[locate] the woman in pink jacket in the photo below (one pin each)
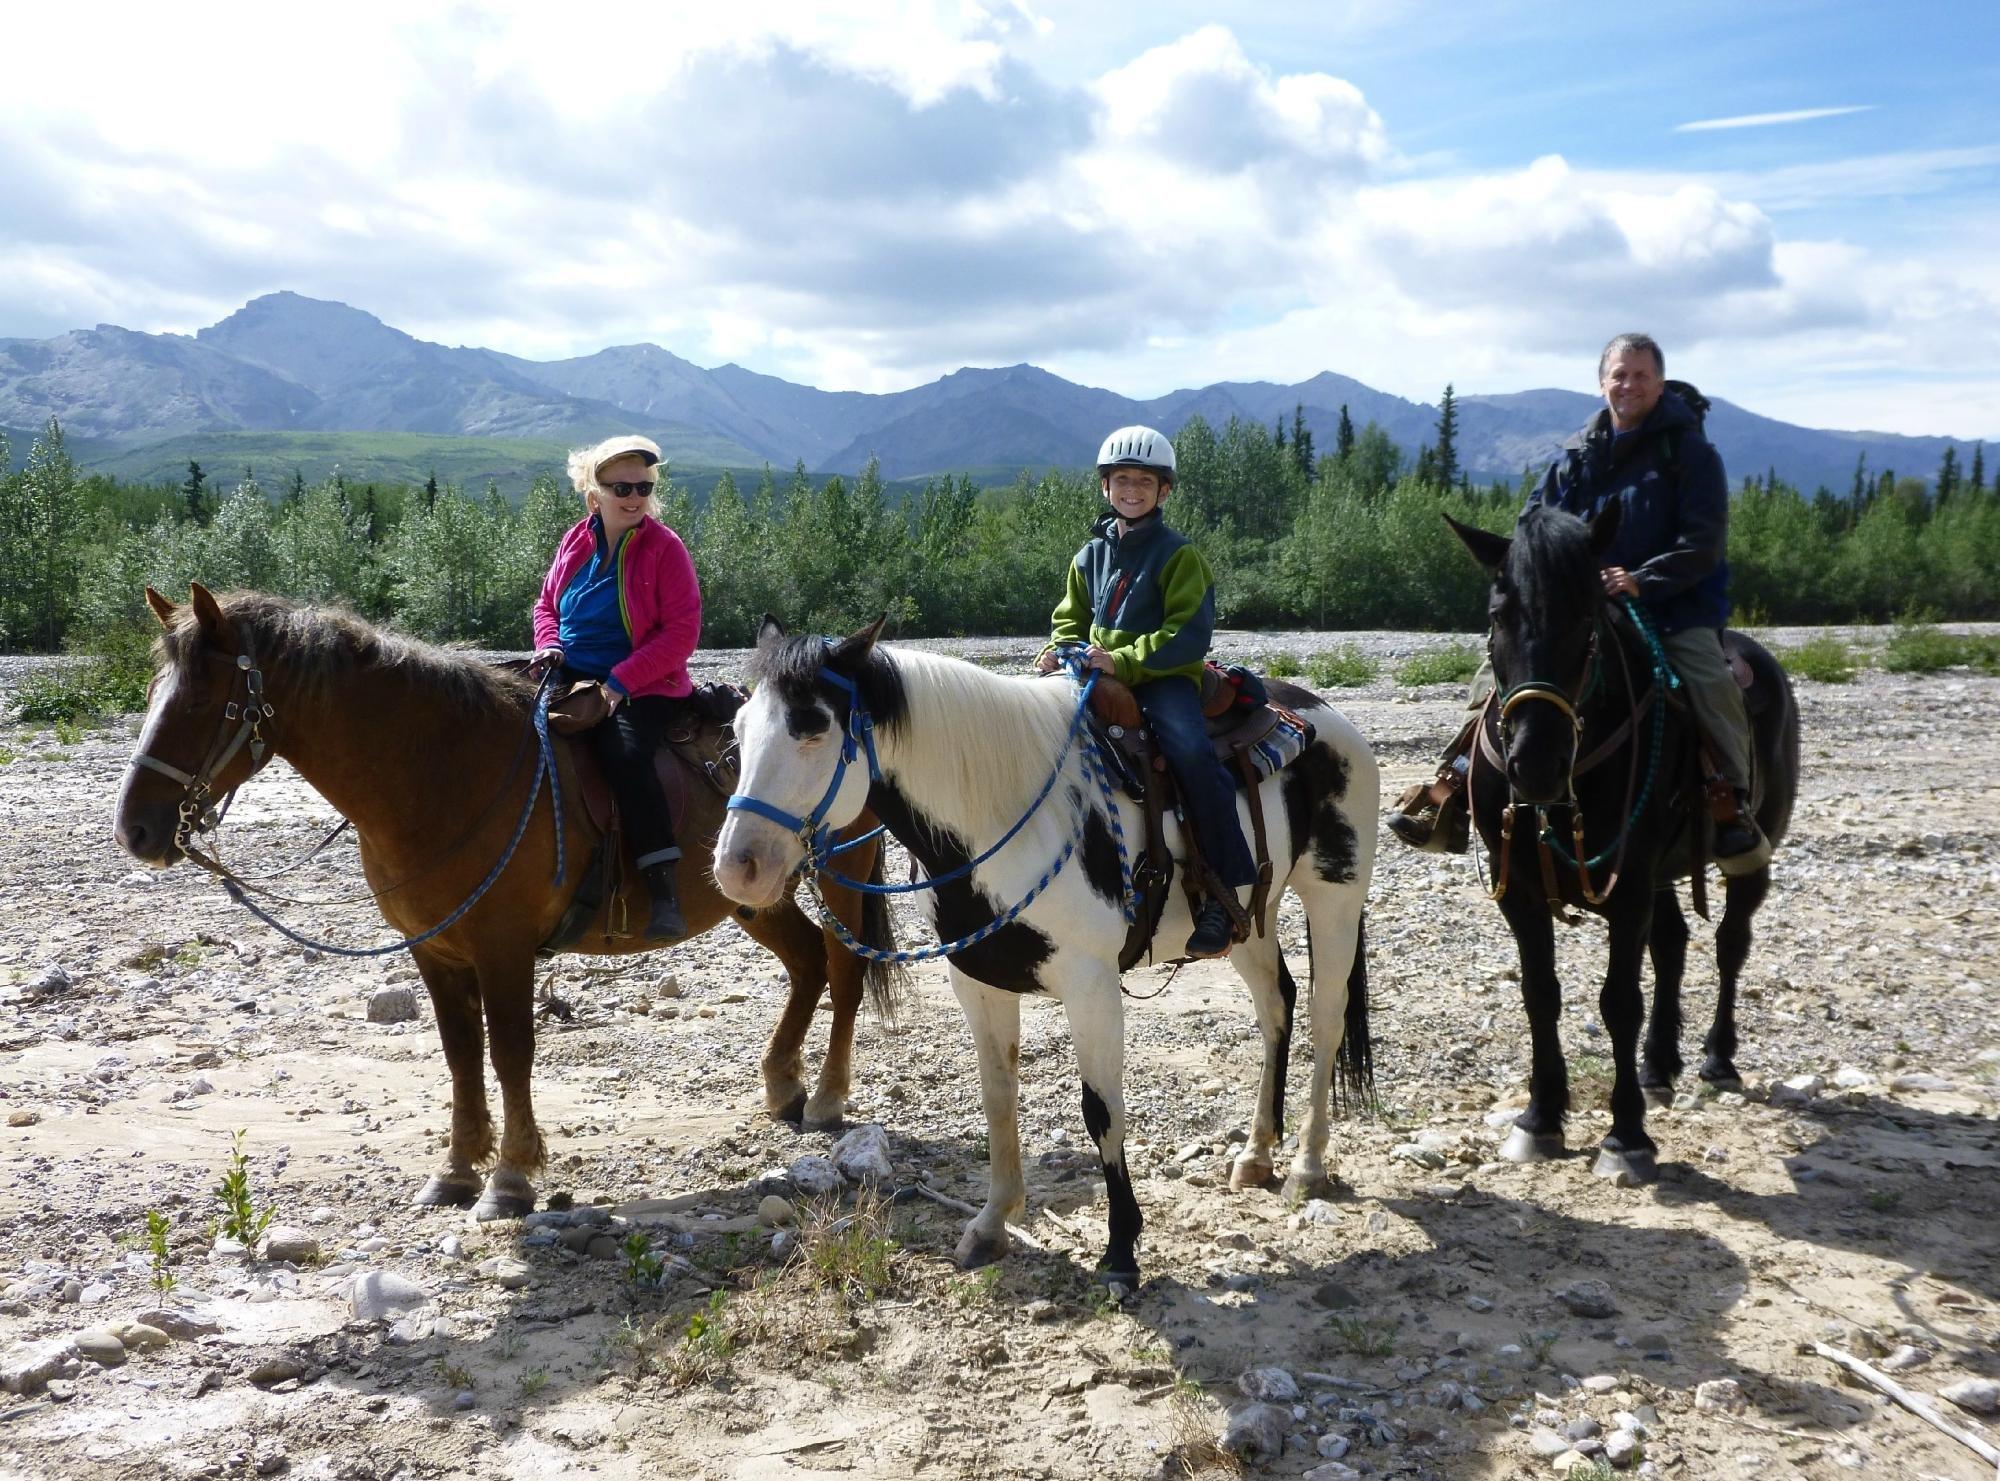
(621, 605)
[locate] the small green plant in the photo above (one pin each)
(157, 1229)
(533, 1382)
(1884, 1200)
(67, 732)
(849, 1254)
(1345, 667)
(1453, 665)
(1191, 1449)
(645, 1267)
(241, 1221)
(8, 755)
(1282, 666)
(1365, 1337)
(976, 1289)
(1104, 1301)
(1824, 660)
(1921, 648)
(454, 1375)
(188, 957)
(1539, 1346)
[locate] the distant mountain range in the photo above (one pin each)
(288, 373)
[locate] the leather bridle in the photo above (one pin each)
(242, 723)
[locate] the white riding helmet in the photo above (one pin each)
(1137, 447)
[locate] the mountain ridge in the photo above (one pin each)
(285, 362)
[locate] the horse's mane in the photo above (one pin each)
(988, 740)
(1552, 566)
(316, 646)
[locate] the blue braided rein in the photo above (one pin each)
(1664, 680)
(545, 765)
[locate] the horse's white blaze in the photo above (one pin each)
(166, 690)
(755, 857)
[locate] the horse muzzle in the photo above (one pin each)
(752, 867)
(146, 831)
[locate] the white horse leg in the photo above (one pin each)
(995, 1020)
(1333, 913)
(1271, 992)
(1096, 1012)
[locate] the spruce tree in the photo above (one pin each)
(1979, 467)
(1947, 476)
(431, 491)
(1302, 441)
(191, 494)
(1444, 463)
(1343, 442)
(297, 491)
(1859, 495)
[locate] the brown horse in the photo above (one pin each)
(428, 754)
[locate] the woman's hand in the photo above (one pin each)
(544, 660)
(613, 697)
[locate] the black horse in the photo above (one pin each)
(1584, 756)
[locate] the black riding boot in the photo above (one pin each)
(1433, 817)
(1740, 846)
(1211, 930)
(665, 922)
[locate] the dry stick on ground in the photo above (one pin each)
(1913, 1402)
(956, 1206)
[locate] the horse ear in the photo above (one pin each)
(207, 612)
(1489, 549)
(1604, 528)
(850, 650)
(163, 610)
(769, 632)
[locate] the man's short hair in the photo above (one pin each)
(1631, 342)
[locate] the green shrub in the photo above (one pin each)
(1919, 648)
(111, 681)
(1453, 665)
(1346, 667)
(1823, 660)
(1282, 666)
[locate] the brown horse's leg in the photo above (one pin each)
(509, 992)
(844, 971)
(783, 930)
(455, 999)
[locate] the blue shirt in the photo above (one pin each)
(590, 613)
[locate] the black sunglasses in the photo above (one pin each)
(626, 490)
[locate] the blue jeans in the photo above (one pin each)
(1172, 707)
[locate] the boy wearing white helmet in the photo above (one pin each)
(1141, 601)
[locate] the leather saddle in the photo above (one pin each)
(699, 746)
(1233, 701)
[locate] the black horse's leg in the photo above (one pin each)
(1661, 1061)
(1732, 948)
(1538, 1130)
(1627, 1153)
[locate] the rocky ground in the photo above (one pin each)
(700, 1301)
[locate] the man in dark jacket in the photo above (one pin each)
(1647, 451)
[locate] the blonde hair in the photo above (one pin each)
(585, 463)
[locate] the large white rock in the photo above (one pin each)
(814, 1177)
(863, 1155)
(377, 1294)
(292, 1245)
(27, 1370)
(392, 1005)
(1975, 1395)
(1269, 1386)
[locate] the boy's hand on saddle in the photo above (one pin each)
(1618, 582)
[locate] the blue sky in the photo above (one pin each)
(867, 196)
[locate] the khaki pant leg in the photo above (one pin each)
(1696, 654)
(1482, 684)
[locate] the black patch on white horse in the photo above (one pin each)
(1012, 957)
(793, 665)
(1121, 1255)
(1100, 859)
(1314, 785)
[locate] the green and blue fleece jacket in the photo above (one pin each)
(1146, 596)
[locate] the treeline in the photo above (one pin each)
(1345, 537)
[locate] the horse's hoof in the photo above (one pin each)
(792, 1110)
(824, 1115)
(1627, 1169)
(493, 1206)
(1730, 1084)
(1523, 1145)
(976, 1249)
(1248, 1172)
(1301, 1186)
(1659, 1097)
(443, 1192)
(1120, 1285)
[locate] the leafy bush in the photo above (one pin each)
(1282, 666)
(1346, 667)
(1453, 665)
(1823, 660)
(1919, 648)
(111, 681)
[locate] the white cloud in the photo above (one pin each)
(1765, 120)
(865, 197)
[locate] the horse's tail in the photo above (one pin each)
(884, 981)
(1353, 1076)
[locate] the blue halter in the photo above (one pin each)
(812, 829)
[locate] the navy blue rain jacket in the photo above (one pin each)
(1674, 532)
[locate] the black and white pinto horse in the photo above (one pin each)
(1583, 732)
(962, 755)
